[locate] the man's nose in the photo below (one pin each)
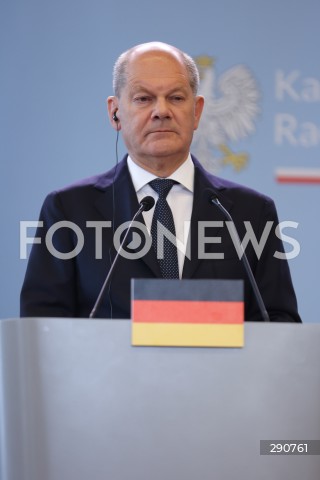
(161, 109)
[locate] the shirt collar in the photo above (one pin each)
(141, 177)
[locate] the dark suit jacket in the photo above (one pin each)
(69, 288)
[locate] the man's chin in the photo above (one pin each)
(163, 149)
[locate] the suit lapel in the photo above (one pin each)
(117, 202)
(203, 211)
(116, 199)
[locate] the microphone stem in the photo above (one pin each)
(253, 282)
(108, 277)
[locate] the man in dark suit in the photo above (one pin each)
(157, 109)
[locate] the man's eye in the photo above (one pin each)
(143, 99)
(177, 98)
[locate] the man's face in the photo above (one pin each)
(157, 110)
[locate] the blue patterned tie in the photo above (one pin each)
(163, 219)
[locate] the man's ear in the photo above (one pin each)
(198, 108)
(112, 104)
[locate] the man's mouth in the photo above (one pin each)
(160, 130)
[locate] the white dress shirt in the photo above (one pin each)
(179, 198)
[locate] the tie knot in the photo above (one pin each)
(162, 186)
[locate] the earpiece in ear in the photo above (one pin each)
(114, 116)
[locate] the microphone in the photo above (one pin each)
(145, 205)
(213, 199)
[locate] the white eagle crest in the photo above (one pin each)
(227, 118)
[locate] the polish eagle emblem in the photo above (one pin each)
(229, 115)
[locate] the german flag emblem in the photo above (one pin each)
(187, 313)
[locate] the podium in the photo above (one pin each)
(78, 402)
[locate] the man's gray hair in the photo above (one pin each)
(120, 69)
